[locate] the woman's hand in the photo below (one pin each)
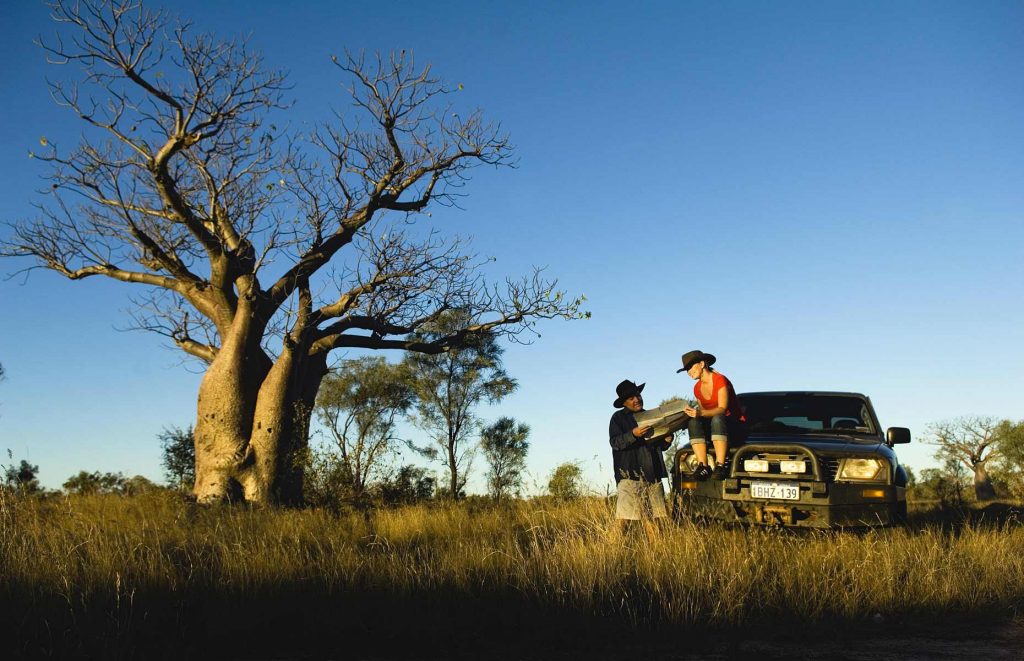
(640, 432)
(692, 412)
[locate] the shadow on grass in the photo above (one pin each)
(297, 621)
(993, 515)
(294, 621)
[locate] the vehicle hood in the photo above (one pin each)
(822, 444)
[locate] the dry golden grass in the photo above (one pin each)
(127, 569)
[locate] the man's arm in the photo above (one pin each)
(619, 437)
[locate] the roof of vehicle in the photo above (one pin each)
(805, 392)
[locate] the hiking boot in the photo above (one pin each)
(720, 473)
(701, 472)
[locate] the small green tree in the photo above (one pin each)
(449, 386)
(505, 446)
(911, 477)
(409, 485)
(85, 483)
(1010, 440)
(179, 460)
(22, 478)
(566, 481)
(359, 405)
(139, 484)
(945, 484)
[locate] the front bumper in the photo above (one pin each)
(820, 505)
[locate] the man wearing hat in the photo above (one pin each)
(638, 461)
(718, 414)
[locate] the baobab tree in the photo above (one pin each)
(256, 250)
(972, 441)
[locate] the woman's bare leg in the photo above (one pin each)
(720, 451)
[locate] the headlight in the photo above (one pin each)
(862, 470)
(688, 462)
(793, 466)
(755, 465)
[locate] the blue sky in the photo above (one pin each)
(825, 195)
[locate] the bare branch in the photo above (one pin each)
(166, 314)
(969, 439)
(416, 149)
(182, 183)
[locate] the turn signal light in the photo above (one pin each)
(687, 485)
(873, 493)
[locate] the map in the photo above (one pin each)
(665, 419)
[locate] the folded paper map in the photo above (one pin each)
(665, 419)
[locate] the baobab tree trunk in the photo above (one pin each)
(252, 424)
(983, 489)
(280, 432)
(224, 418)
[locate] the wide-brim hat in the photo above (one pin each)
(691, 358)
(625, 390)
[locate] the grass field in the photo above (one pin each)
(155, 576)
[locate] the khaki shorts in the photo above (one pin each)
(637, 499)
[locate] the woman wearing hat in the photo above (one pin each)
(718, 416)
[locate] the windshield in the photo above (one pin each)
(807, 413)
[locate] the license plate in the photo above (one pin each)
(775, 490)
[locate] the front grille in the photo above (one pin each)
(830, 467)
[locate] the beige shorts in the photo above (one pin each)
(637, 499)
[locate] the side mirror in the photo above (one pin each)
(895, 435)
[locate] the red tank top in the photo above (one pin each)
(718, 381)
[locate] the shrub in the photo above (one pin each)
(566, 482)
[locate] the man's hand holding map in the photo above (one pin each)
(665, 419)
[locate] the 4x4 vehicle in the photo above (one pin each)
(812, 459)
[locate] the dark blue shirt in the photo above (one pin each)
(635, 458)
